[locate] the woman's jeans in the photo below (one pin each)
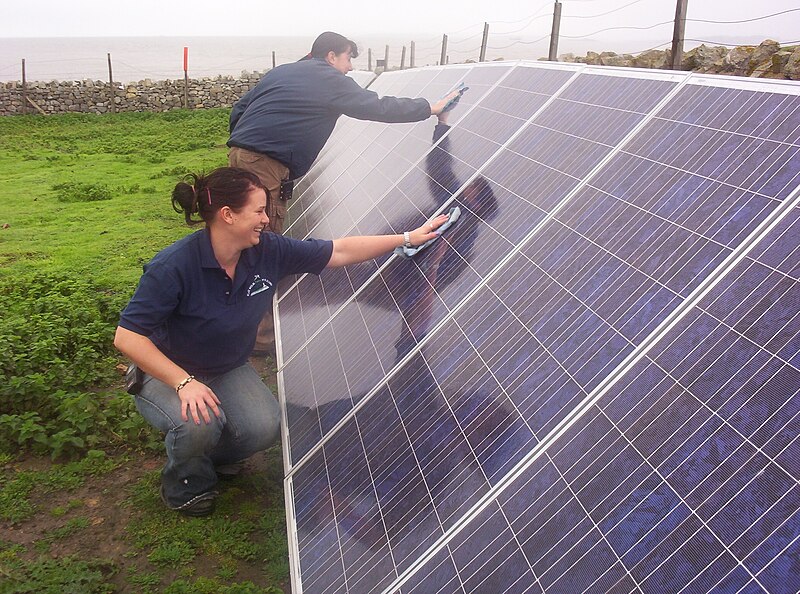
(249, 422)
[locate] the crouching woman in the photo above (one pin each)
(192, 324)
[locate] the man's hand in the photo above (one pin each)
(439, 106)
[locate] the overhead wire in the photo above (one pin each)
(616, 29)
(761, 18)
(519, 42)
(449, 42)
(735, 44)
(594, 16)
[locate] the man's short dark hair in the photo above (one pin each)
(332, 42)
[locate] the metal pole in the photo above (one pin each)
(186, 77)
(24, 90)
(111, 86)
(443, 59)
(403, 59)
(483, 43)
(386, 60)
(369, 58)
(678, 34)
(411, 57)
(553, 54)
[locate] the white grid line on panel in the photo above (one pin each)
(442, 209)
(532, 233)
(364, 520)
(357, 127)
(574, 71)
(412, 166)
(723, 423)
(594, 524)
(320, 174)
(416, 124)
(478, 507)
(721, 271)
(335, 522)
(536, 577)
(692, 510)
(704, 524)
(715, 107)
(794, 540)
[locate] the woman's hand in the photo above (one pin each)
(427, 231)
(197, 398)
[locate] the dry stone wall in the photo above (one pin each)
(767, 60)
(94, 96)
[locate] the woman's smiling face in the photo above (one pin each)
(251, 220)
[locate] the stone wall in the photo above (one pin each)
(94, 96)
(768, 60)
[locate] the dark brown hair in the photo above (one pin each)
(332, 42)
(203, 195)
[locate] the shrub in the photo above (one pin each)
(56, 337)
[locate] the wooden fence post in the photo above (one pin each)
(113, 91)
(483, 42)
(678, 34)
(403, 59)
(386, 60)
(273, 59)
(369, 58)
(24, 90)
(411, 56)
(553, 53)
(442, 60)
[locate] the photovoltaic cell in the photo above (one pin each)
(575, 391)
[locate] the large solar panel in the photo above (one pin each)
(591, 382)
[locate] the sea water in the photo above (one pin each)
(159, 58)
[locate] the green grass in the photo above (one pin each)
(48, 164)
(85, 203)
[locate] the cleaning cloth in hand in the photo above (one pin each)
(454, 101)
(406, 252)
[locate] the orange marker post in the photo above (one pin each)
(185, 77)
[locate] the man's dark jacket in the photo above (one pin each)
(290, 114)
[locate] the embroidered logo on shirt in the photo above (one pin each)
(259, 285)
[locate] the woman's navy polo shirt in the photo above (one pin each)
(186, 304)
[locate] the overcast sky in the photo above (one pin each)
(458, 18)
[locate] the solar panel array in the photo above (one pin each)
(590, 383)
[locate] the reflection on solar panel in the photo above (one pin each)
(591, 382)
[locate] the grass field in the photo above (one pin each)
(84, 202)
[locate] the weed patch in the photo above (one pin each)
(81, 192)
(67, 575)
